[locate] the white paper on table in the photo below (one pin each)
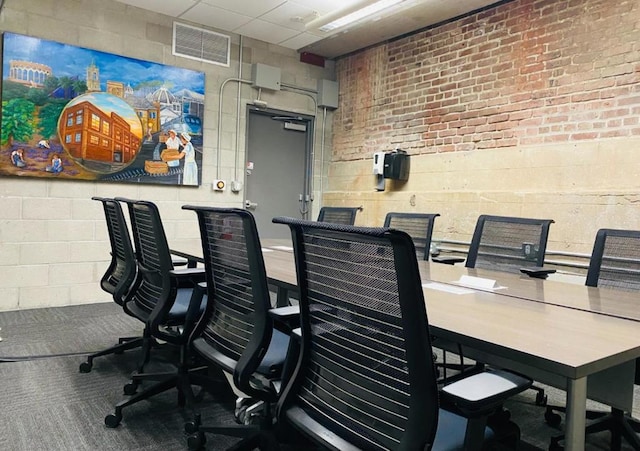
(446, 288)
(479, 282)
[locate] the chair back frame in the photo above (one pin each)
(153, 292)
(507, 243)
(615, 260)
(338, 215)
(392, 399)
(121, 272)
(235, 330)
(419, 226)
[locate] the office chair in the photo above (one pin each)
(504, 243)
(120, 274)
(166, 300)
(614, 263)
(419, 226)
(236, 333)
(365, 378)
(338, 215)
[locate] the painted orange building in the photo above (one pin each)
(88, 133)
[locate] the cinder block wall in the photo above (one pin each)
(53, 239)
(530, 108)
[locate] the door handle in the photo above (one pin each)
(250, 205)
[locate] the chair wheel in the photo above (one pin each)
(112, 421)
(85, 367)
(196, 441)
(553, 419)
(130, 389)
(190, 427)
(541, 399)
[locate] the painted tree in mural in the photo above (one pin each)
(48, 118)
(17, 120)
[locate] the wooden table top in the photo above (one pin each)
(566, 341)
(622, 304)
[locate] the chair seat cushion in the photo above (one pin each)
(272, 362)
(451, 430)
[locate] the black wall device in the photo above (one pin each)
(396, 165)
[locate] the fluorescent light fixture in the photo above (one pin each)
(355, 15)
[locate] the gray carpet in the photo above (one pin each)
(48, 405)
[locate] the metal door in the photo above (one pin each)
(278, 150)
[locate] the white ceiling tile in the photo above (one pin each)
(290, 15)
(324, 7)
(254, 8)
(215, 17)
(299, 41)
(166, 7)
(265, 31)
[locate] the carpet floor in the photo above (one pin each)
(47, 404)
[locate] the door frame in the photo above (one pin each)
(309, 120)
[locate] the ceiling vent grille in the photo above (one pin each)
(201, 45)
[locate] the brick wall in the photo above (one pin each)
(529, 108)
(527, 72)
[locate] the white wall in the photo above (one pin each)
(53, 239)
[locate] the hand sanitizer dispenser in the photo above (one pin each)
(378, 169)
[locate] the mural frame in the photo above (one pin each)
(74, 113)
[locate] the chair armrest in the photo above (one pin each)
(286, 319)
(184, 258)
(188, 276)
(482, 392)
(448, 260)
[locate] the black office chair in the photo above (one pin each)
(120, 274)
(504, 243)
(338, 215)
(419, 226)
(166, 300)
(365, 377)
(236, 333)
(614, 263)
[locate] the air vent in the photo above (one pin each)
(201, 45)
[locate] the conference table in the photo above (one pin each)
(584, 340)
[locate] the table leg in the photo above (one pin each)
(575, 416)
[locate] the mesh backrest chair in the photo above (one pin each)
(120, 274)
(419, 226)
(504, 243)
(338, 215)
(166, 300)
(365, 377)
(507, 244)
(615, 264)
(236, 333)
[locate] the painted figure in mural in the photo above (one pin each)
(172, 150)
(190, 173)
(17, 158)
(43, 144)
(56, 164)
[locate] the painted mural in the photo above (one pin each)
(73, 113)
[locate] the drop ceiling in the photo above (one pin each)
(284, 22)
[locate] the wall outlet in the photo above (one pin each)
(219, 185)
(236, 186)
